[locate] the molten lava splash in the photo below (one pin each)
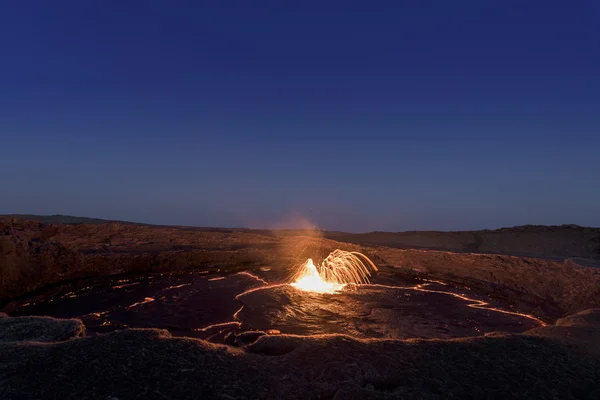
(311, 281)
(334, 273)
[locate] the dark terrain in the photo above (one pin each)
(203, 305)
(543, 271)
(560, 242)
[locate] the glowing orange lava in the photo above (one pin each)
(339, 269)
(311, 281)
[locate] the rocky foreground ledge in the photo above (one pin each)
(52, 358)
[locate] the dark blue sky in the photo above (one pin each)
(357, 116)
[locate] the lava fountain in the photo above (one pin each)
(337, 270)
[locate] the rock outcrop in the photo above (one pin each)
(39, 329)
(149, 363)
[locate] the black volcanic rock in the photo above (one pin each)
(245, 338)
(153, 364)
(579, 330)
(39, 329)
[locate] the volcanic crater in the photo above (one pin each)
(103, 282)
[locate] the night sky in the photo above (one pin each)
(357, 116)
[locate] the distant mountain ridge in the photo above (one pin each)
(60, 219)
(64, 219)
(74, 220)
(556, 242)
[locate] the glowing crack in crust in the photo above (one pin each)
(339, 269)
(480, 304)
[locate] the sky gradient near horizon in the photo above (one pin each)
(354, 116)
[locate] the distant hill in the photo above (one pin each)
(64, 219)
(71, 220)
(563, 241)
(557, 242)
